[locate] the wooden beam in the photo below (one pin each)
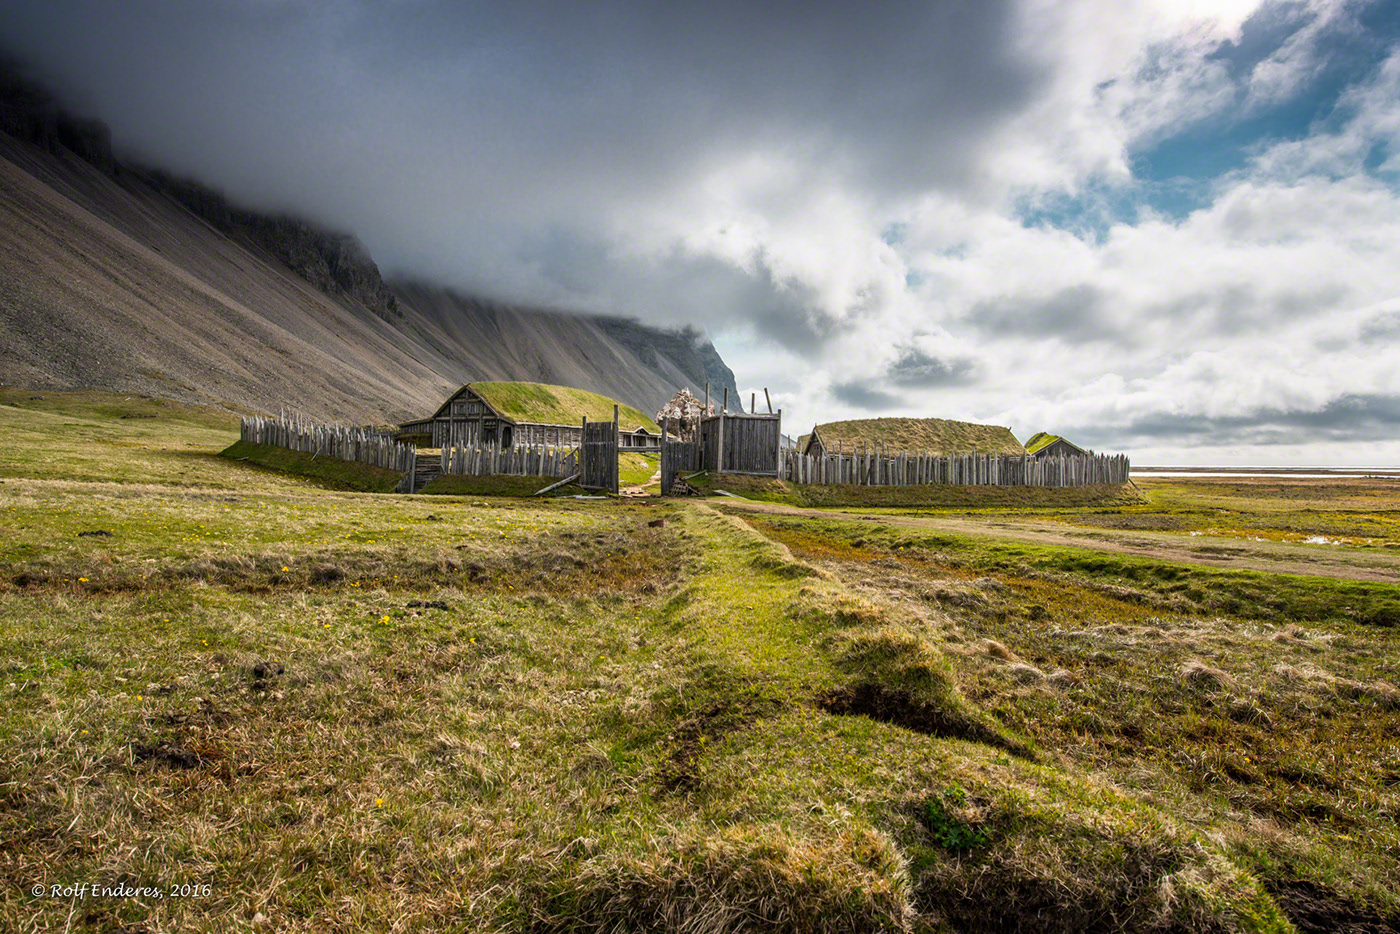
(554, 486)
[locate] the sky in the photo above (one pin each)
(1169, 228)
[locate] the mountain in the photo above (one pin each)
(129, 279)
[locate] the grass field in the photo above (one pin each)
(338, 711)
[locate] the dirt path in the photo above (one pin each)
(1347, 563)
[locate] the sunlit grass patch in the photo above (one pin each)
(337, 474)
(1277, 720)
(1164, 586)
(351, 712)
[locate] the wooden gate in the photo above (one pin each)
(597, 455)
(677, 457)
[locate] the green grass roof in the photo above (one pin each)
(915, 435)
(556, 405)
(1043, 439)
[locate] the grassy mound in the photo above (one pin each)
(772, 490)
(937, 435)
(557, 405)
(336, 474)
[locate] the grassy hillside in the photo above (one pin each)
(557, 405)
(917, 435)
(337, 474)
(347, 712)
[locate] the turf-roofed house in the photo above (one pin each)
(1042, 444)
(939, 436)
(509, 415)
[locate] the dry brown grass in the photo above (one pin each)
(1198, 674)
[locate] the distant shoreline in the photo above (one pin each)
(1301, 473)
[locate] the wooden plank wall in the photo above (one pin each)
(598, 455)
(746, 443)
(677, 457)
(341, 442)
(876, 468)
(531, 461)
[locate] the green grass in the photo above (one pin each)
(345, 711)
(1148, 582)
(336, 474)
(495, 485)
(1260, 703)
(557, 405)
(932, 496)
(634, 469)
(1355, 512)
(1040, 440)
(106, 438)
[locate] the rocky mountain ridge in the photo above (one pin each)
(122, 277)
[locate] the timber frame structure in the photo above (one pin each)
(468, 419)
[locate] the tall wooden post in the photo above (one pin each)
(613, 471)
(665, 436)
(719, 442)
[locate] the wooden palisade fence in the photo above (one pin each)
(336, 441)
(530, 461)
(876, 468)
(725, 442)
(598, 455)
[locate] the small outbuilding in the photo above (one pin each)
(1042, 444)
(638, 439)
(909, 435)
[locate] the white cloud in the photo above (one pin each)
(836, 194)
(1303, 55)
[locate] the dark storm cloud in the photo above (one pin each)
(444, 134)
(863, 396)
(1348, 418)
(1382, 327)
(688, 289)
(1076, 314)
(1243, 309)
(918, 370)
